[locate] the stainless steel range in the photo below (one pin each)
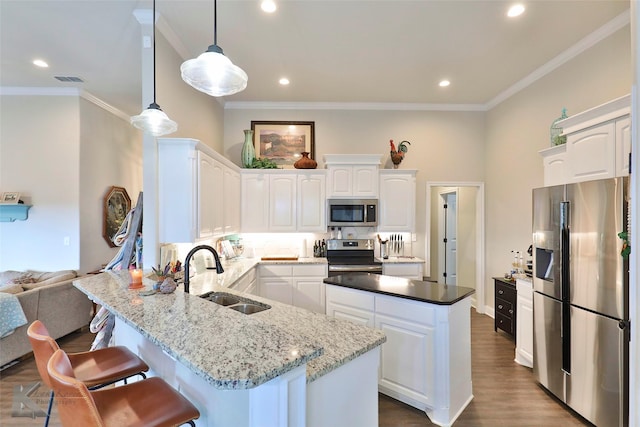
(352, 256)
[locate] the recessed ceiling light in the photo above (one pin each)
(444, 83)
(284, 81)
(515, 10)
(268, 6)
(40, 63)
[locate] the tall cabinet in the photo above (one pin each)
(397, 207)
(198, 192)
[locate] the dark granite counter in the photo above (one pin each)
(434, 293)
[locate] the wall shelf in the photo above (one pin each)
(10, 212)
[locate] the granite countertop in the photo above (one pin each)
(252, 348)
(418, 290)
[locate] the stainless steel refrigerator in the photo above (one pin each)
(580, 306)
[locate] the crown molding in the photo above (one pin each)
(62, 91)
(380, 106)
(608, 29)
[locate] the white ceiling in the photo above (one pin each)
(356, 51)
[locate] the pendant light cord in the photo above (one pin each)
(154, 51)
(215, 22)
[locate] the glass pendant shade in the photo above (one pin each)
(154, 121)
(213, 73)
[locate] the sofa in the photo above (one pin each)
(49, 297)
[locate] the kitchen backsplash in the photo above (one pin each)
(257, 245)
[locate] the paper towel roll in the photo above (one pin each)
(303, 249)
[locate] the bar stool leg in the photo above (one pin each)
(46, 420)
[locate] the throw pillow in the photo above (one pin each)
(24, 279)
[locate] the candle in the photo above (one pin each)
(136, 278)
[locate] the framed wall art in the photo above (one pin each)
(10, 197)
(116, 206)
(282, 141)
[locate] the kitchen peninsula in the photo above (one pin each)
(284, 366)
(426, 361)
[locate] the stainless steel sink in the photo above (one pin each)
(248, 308)
(234, 302)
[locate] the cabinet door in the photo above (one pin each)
(340, 181)
(407, 358)
(282, 202)
(309, 293)
(231, 193)
(255, 202)
(591, 153)
(212, 193)
(311, 203)
(348, 304)
(555, 169)
(277, 288)
(207, 210)
(524, 329)
(365, 181)
(623, 146)
(397, 202)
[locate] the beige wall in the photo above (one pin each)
(444, 145)
(110, 155)
(519, 127)
(39, 140)
(198, 115)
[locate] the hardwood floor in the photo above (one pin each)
(505, 393)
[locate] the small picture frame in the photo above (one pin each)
(283, 141)
(10, 197)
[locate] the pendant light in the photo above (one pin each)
(212, 72)
(153, 120)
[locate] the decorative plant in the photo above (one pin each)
(161, 273)
(626, 247)
(263, 163)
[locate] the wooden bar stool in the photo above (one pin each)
(146, 403)
(95, 369)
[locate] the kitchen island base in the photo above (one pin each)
(426, 360)
(279, 402)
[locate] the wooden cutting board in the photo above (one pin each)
(279, 258)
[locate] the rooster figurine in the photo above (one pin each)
(397, 156)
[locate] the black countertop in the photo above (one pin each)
(434, 293)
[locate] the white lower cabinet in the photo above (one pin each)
(426, 361)
(524, 323)
(248, 283)
(351, 305)
(298, 285)
(406, 270)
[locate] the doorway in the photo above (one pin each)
(461, 224)
(447, 236)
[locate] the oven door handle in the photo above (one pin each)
(347, 268)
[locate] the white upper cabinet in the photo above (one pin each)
(231, 193)
(397, 200)
(598, 145)
(284, 201)
(352, 176)
(312, 208)
(192, 191)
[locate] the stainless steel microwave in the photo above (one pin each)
(352, 212)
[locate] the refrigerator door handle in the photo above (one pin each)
(565, 321)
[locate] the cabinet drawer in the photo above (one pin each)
(349, 297)
(317, 270)
(504, 307)
(413, 311)
(506, 292)
(505, 323)
(276, 270)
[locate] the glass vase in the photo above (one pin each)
(248, 152)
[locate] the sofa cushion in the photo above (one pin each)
(9, 275)
(44, 279)
(11, 288)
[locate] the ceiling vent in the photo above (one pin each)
(69, 79)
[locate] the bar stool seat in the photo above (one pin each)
(146, 403)
(95, 369)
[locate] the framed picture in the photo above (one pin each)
(282, 142)
(116, 206)
(10, 197)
